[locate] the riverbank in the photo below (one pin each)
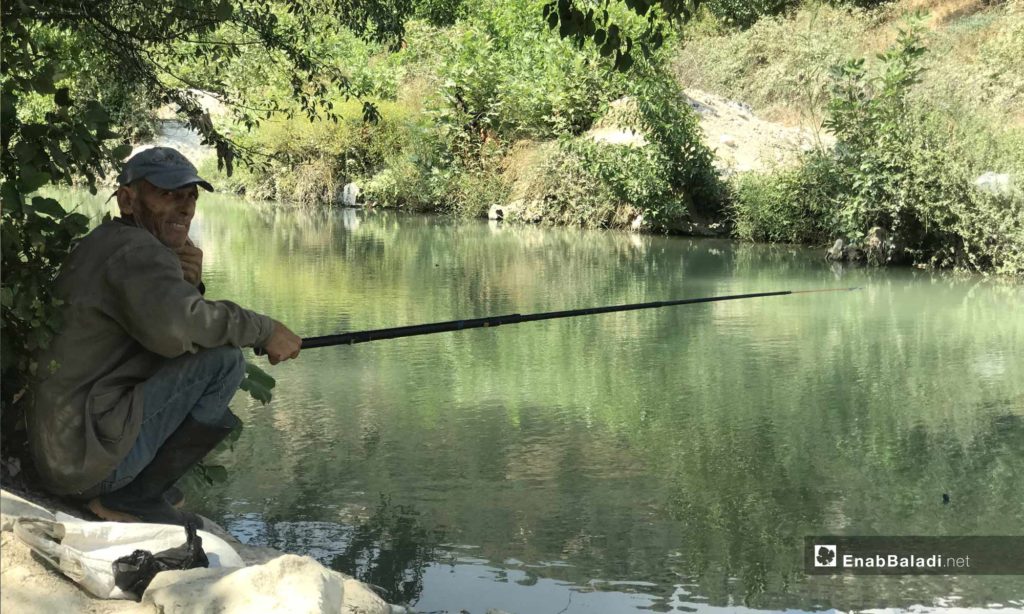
(726, 132)
(271, 580)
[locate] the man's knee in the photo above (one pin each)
(229, 365)
(228, 360)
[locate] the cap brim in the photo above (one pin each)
(172, 180)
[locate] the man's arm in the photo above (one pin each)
(150, 298)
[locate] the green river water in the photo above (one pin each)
(665, 460)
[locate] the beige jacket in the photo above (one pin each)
(127, 310)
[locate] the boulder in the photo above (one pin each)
(997, 184)
(349, 195)
(288, 583)
(879, 248)
(836, 252)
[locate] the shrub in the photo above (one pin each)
(902, 164)
(792, 205)
(668, 180)
(744, 13)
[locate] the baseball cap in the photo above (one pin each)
(163, 167)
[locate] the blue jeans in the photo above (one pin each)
(199, 384)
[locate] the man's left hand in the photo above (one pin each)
(191, 262)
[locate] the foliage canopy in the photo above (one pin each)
(75, 75)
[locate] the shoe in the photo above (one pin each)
(174, 497)
(149, 497)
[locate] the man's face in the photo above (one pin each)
(166, 214)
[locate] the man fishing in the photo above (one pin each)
(135, 389)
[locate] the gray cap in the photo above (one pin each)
(163, 167)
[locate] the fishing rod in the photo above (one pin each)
(516, 318)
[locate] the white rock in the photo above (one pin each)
(496, 212)
(289, 583)
(349, 194)
(999, 184)
(618, 136)
(727, 139)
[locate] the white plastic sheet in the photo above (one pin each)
(85, 551)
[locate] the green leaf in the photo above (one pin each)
(32, 180)
(62, 98)
(224, 10)
(259, 376)
(95, 113)
(6, 297)
(43, 84)
(47, 206)
(122, 151)
(217, 474)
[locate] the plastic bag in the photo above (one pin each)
(85, 551)
(133, 573)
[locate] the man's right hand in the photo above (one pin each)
(282, 345)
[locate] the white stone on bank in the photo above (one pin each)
(280, 583)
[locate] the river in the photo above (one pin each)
(666, 460)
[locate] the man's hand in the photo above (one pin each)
(191, 262)
(283, 344)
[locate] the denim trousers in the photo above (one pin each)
(200, 385)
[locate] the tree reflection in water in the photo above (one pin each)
(391, 551)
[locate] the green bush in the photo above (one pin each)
(791, 205)
(900, 164)
(744, 13)
(310, 162)
(668, 181)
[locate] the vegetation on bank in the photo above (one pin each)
(485, 106)
(916, 127)
(455, 106)
(80, 81)
(460, 101)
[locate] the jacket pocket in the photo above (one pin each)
(110, 412)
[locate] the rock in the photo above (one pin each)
(637, 223)
(997, 184)
(496, 212)
(835, 252)
(289, 583)
(349, 195)
(618, 136)
(728, 140)
(878, 249)
(615, 127)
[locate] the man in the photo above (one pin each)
(134, 391)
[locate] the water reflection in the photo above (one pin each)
(670, 460)
(390, 551)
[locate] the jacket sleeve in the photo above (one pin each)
(150, 299)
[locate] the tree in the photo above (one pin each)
(582, 21)
(73, 75)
